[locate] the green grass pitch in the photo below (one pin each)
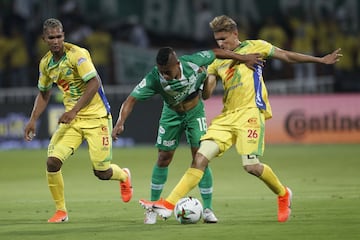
(324, 179)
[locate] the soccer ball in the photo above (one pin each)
(188, 210)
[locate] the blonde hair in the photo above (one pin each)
(52, 23)
(223, 23)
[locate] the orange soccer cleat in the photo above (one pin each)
(126, 187)
(161, 207)
(284, 206)
(59, 216)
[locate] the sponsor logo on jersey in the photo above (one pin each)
(252, 120)
(169, 143)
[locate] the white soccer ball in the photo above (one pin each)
(188, 210)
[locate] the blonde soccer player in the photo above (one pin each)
(242, 121)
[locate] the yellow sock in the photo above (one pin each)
(190, 180)
(118, 173)
(272, 181)
(56, 186)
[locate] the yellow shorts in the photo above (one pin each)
(243, 127)
(97, 133)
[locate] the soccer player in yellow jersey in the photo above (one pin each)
(87, 115)
(242, 121)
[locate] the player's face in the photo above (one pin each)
(227, 40)
(54, 37)
(169, 71)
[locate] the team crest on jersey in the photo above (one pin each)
(161, 129)
(81, 60)
(142, 83)
(104, 129)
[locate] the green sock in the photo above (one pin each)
(206, 188)
(158, 179)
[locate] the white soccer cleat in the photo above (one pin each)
(150, 217)
(209, 216)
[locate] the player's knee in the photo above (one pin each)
(254, 169)
(53, 164)
(252, 165)
(103, 175)
(200, 162)
(208, 149)
(164, 158)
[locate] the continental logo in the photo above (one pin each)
(298, 123)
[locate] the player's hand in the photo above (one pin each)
(117, 130)
(250, 60)
(67, 117)
(202, 69)
(29, 131)
(332, 57)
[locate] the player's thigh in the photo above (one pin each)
(66, 139)
(170, 130)
(169, 135)
(195, 127)
(220, 132)
(250, 133)
(99, 141)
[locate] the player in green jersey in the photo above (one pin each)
(178, 81)
(86, 117)
(242, 121)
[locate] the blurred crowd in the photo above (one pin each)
(22, 47)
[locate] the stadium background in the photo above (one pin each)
(312, 104)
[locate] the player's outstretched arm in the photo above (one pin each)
(125, 110)
(294, 57)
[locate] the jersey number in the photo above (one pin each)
(202, 124)
(105, 141)
(252, 133)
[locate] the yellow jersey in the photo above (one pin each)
(244, 88)
(70, 74)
